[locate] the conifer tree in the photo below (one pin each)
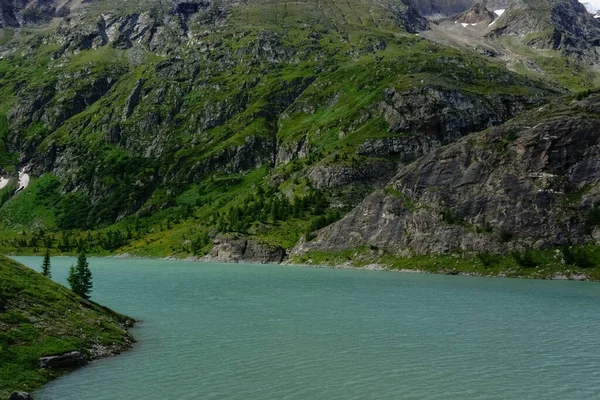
(80, 277)
(46, 264)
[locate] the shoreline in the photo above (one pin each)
(507, 274)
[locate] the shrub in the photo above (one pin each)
(488, 259)
(450, 218)
(525, 259)
(576, 257)
(485, 228)
(505, 236)
(593, 218)
(582, 95)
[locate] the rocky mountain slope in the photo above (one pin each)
(531, 37)
(41, 318)
(530, 183)
(563, 25)
(233, 130)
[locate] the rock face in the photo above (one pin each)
(530, 183)
(477, 13)
(443, 8)
(20, 396)
(15, 13)
(72, 359)
(447, 114)
(229, 249)
(367, 173)
(563, 25)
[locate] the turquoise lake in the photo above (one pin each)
(220, 331)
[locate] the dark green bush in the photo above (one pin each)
(505, 236)
(593, 218)
(525, 259)
(576, 257)
(582, 95)
(450, 218)
(488, 259)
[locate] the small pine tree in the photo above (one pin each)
(80, 277)
(46, 264)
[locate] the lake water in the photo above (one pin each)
(218, 331)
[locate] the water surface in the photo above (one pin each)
(219, 331)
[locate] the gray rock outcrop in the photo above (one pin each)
(562, 25)
(532, 182)
(71, 359)
(229, 249)
(20, 396)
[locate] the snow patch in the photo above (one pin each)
(23, 181)
(3, 182)
(592, 6)
(499, 12)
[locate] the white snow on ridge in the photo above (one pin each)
(23, 181)
(3, 182)
(591, 5)
(499, 12)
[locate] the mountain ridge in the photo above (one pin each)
(176, 128)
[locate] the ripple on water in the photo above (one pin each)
(265, 332)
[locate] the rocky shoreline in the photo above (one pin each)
(72, 360)
(563, 275)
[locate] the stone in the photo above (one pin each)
(20, 396)
(71, 359)
(230, 249)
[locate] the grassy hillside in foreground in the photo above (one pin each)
(39, 317)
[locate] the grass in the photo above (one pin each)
(39, 317)
(539, 264)
(7, 36)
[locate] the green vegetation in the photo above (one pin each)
(156, 146)
(46, 265)
(39, 317)
(131, 187)
(525, 259)
(577, 257)
(540, 264)
(80, 277)
(488, 259)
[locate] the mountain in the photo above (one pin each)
(21, 13)
(476, 14)
(40, 318)
(563, 25)
(532, 182)
(233, 130)
(553, 39)
(435, 9)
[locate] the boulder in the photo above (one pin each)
(72, 359)
(20, 396)
(228, 249)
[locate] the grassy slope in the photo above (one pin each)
(39, 317)
(547, 264)
(332, 45)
